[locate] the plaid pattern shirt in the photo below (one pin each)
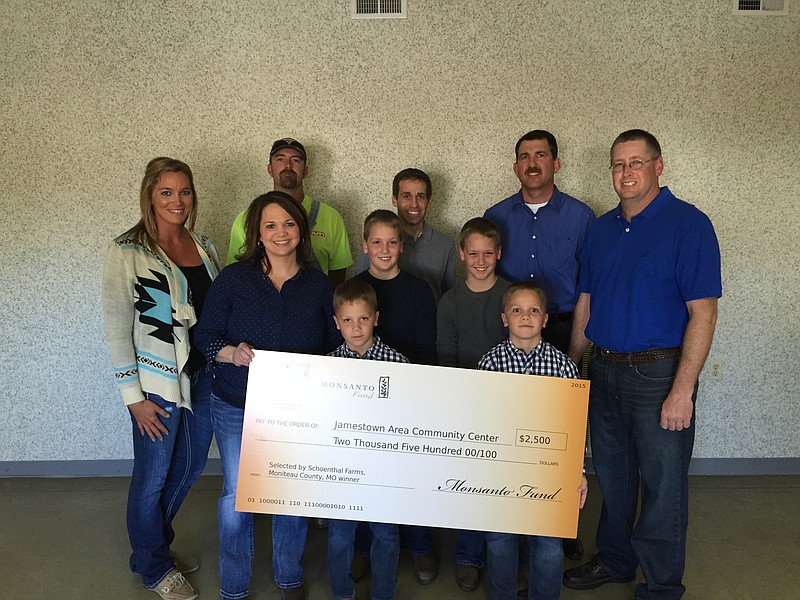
(378, 351)
(545, 360)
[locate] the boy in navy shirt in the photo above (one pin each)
(408, 310)
(408, 323)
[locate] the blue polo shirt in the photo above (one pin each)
(545, 247)
(641, 274)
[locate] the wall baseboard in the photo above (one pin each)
(122, 468)
(82, 468)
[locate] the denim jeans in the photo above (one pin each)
(418, 538)
(163, 473)
(630, 450)
(384, 554)
(288, 544)
(545, 565)
(469, 548)
(363, 539)
(235, 528)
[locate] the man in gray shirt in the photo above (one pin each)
(427, 253)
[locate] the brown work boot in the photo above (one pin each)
(467, 577)
(295, 593)
(425, 568)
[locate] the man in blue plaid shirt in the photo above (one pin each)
(355, 308)
(525, 352)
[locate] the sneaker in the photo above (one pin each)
(174, 587)
(184, 564)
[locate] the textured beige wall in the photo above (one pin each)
(92, 90)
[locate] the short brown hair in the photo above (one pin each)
(382, 217)
(412, 175)
(354, 290)
(524, 286)
(253, 252)
(481, 226)
(538, 134)
(636, 135)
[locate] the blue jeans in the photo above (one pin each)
(384, 554)
(163, 473)
(469, 548)
(545, 566)
(419, 539)
(235, 528)
(288, 544)
(630, 450)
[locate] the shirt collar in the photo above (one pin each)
(519, 352)
(425, 234)
(652, 210)
(658, 204)
(371, 351)
(556, 200)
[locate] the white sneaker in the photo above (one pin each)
(175, 587)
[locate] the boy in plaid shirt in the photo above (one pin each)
(525, 315)
(355, 308)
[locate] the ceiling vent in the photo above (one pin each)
(761, 7)
(378, 9)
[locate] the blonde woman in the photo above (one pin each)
(155, 280)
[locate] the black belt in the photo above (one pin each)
(559, 317)
(635, 358)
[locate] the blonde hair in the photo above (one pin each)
(382, 217)
(146, 230)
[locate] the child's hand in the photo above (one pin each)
(583, 489)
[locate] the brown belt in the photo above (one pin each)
(635, 358)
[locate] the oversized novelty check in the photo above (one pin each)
(375, 441)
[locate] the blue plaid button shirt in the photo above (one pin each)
(545, 360)
(378, 351)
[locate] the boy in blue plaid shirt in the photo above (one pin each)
(355, 308)
(525, 315)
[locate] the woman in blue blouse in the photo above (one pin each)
(271, 299)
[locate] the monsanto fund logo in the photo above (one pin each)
(383, 387)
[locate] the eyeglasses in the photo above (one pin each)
(634, 165)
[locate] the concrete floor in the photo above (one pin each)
(64, 539)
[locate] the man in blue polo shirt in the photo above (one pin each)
(542, 232)
(649, 282)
